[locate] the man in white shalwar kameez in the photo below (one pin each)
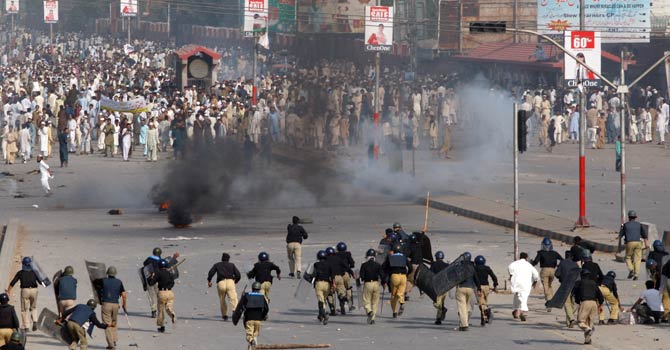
(661, 121)
(45, 175)
(523, 277)
(44, 139)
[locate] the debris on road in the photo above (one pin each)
(115, 212)
(181, 238)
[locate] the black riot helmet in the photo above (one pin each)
(256, 286)
(4, 298)
(341, 247)
(157, 252)
(371, 253)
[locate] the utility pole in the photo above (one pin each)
(253, 88)
(376, 115)
(460, 26)
(622, 118)
(129, 23)
(168, 20)
(516, 37)
(581, 221)
(516, 180)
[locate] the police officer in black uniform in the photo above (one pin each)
(348, 261)
(294, 237)
(588, 264)
(28, 282)
(79, 315)
(588, 296)
(608, 289)
(262, 272)
(339, 268)
(657, 253)
(110, 289)
(438, 265)
(323, 278)
(152, 293)
(484, 272)
(8, 320)
(371, 275)
(14, 342)
(255, 308)
(397, 267)
(164, 281)
(548, 260)
(227, 276)
(416, 258)
(66, 290)
(568, 266)
(635, 236)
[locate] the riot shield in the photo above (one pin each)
(305, 286)
(458, 271)
(46, 324)
(564, 290)
(41, 276)
(664, 280)
(423, 279)
(382, 253)
(142, 278)
(96, 271)
(55, 279)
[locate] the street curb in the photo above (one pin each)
(537, 231)
(7, 249)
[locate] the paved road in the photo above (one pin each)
(63, 231)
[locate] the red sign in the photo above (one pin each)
(256, 5)
(582, 40)
(379, 14)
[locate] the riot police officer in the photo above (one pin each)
(348, 260)
(28, 281)
(371, 275)
(588, 264)
(255, 308)
(340, 268)
(8, 320)
(483, 273)
(438, 265)
(610, 294)
(66, 290)
(15, 342)
(397, 266)
(227, 276)
(110, 289)
(415, 258)
(323, 278)
(262, 272)
(548, 260)
(566, 268)
(79, 315)
(635, 236)
(152, 293)
(588, 296)
(465, 292)
(164, 281)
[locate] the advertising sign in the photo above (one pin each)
(378, 28)
(255, 17)
(586, 46)
(128, 8)
(282, 16)
(332, 16)
(50, 11)
(12, 6)
(619, 21)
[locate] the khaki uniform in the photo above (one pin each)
(439, 305)
(569, 308)
(63, 305)
(612, 300)
(28, 306)
(398, 286)
(165, 304)
(484, 299)
(634, 256)
(294, 252)
(78, 334)
(588, 312)
(464, 297)
(371, 297)
(265, 289)
(110, 315)
(322, 289)
(225, 288)
(5, 335)
(547, 276)
(252, 329)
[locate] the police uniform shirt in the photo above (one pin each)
(262, 271)
(296, 233)
(483, 273)
(547, 258)
(371, 271)
(397, 264)
(337, 265)
(611, 285)
(323, 271)
(66, 287)
(82, 313)
(633, 231)
(112, 288)
(163, 278)
(587, 289)
(596, 272)
(347, 259)
(255, 306)
(28, 279)
(224, 270)
(8, 317)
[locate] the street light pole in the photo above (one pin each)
(581, 221)
(516, 180)
(622, 137)
(376, 115)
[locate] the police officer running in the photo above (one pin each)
(262, 272)
(348, 260)
(79, 315)
(164, 281)
(66, 290)
(438, 265)
(483, 273)
(294, 237)
(610, 294)
(588, 296)
(255, 308)
(548, 260)
(14, 342)
(28, 283)
(398, 267)
(110, 289)
(227, 276)
(634, 235)
(152, 291)
(415, 258)
(371, 274)
(465, 293)
(9, 323)
(323, 278)
(567, 267)
(339, 268)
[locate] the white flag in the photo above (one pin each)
(264, 41)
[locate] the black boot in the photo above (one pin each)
(444, 313)
(322, 312)
(489, 316)
(343, 308)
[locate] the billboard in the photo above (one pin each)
(586, 46)
(255, 17)
(12, 6)
(282, 16)
(332, 16)
(378, 28)
(619, 21)
(128, 8)
(50, 11)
